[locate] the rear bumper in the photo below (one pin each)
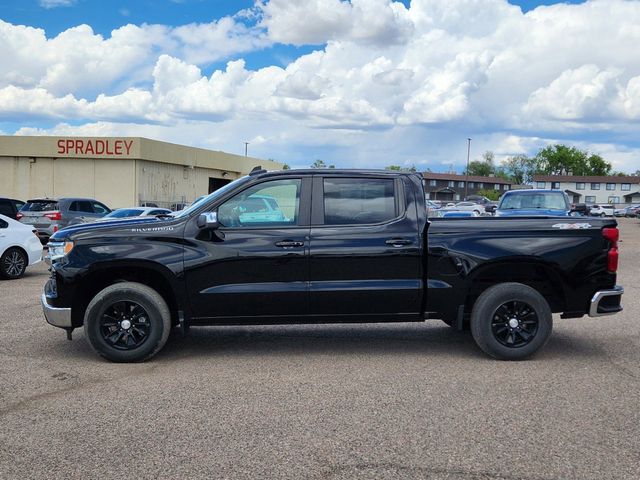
(58, 317)
(606, 302)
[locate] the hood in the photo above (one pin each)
(116, 223)
(532, 212)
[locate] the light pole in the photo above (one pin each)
(466, 180)
(246, 146)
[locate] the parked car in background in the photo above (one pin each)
(632, 211)
(619, 212)
(19, 247)
(467, 207)
(602, 210)
(10, 207)
(134, 212)
(48, 215)
(519, 203)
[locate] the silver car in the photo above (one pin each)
(48, 215)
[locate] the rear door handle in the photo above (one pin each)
(399, 242)
(289, 244)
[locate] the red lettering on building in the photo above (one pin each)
(94, 147)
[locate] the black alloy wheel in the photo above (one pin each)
(514, 324)
(14, 264)
(125, 325)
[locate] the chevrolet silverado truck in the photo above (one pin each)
(327, 246)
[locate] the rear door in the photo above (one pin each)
(365, 252)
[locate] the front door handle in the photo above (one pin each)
(289, 244)
(399, 242)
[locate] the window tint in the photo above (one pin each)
(40, 206)
(351, 201)
(268, 204)
(99, 208)
(6, 208)
(81, 206)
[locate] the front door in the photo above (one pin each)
(255, 264)
(365, 248)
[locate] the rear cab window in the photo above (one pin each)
(359, 201)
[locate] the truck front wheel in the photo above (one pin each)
(511, 321)
(127, 322)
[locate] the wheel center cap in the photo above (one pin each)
(126, 324)
(513, 323)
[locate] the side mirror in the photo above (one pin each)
(208, 220)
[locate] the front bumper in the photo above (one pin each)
(58, 317)
(606, 302)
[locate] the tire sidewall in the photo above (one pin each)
(485, 307)
(157, 314)
(3, 272)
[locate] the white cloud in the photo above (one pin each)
(439, 71)
(56, 3)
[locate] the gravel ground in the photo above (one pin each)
(343, 402)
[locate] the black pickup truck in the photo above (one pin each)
(327, 246)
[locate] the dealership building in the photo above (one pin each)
(118, 171)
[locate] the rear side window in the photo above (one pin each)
(81, 206)
(356, 201)
(39, 206)
(3, 224)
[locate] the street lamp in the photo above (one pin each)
(466, 180)
(246, 146)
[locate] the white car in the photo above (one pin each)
(466, 207)
(19, 248)
(134, 212)
(603, 210)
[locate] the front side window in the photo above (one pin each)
(356, 201)
(99, 208)
(268, 204)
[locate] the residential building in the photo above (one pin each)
(453, 187)
(593, 189)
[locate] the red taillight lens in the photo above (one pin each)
(19, 216)
(613, 235)
(53, 216)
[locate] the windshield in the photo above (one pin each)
(534, 200)
(125, 212)
(219, 192)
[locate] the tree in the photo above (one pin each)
(320, 164)
(520, 169)
(563, 160)
(484, 167)
(398, 168)
(491, 194)
(285, 166)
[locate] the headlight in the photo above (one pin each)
(57, 250)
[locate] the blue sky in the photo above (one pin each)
(366, 83)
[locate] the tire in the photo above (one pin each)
(13, 263)
(511, 321)
(127, 322)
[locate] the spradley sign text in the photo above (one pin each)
(94, 147)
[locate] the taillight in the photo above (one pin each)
(19, 216)
(53, 216)
(612, 234)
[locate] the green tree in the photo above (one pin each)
(490, 194)
(484, 167)
(320, 164)
(520, 169)
(563, 160)
(398, 168)
(285, 166)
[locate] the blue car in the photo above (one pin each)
(537, 203)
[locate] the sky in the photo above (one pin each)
(360, 83)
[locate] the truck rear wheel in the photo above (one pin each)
(511, 321)
(127, 322)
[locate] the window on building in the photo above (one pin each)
(555, 185)
(625, 187)
(611, 186)
(541, 184)
(496, 187)
(471, 185)
(590, 199)
(613, 199)
(432, 183)
(579, 185)
(505, 187)
(461, 184)
(595, 186)
(452, 183)
(480, 185)
(457, 197)
(357, 201)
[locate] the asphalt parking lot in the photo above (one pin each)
(343, 402)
